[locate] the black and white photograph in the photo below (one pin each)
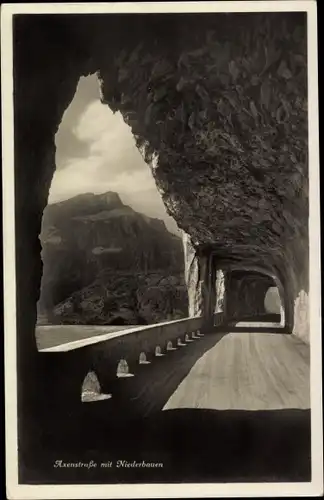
(161, 250)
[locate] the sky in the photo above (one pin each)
(96, 153)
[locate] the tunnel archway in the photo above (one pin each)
(105, 225)
(246, 289)
(272, 302)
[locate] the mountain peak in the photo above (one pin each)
(111, 198)
(82, 204)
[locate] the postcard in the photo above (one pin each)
(161, 250)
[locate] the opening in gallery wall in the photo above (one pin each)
(111, 254)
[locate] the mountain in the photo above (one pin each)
(105, 263)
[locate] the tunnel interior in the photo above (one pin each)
(246, 297)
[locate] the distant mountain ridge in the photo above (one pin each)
(94, 245)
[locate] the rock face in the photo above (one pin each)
(228, 116)
(104, 263)
(301, 310)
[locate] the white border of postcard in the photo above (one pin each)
(17, 491)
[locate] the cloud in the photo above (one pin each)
(112, 161)
(85, 175)
(96, 153)
(67, 143)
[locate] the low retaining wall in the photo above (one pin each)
(143, 337)
(64, 367)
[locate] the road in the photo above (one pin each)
(248, 371)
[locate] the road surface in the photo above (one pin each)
(248, 371)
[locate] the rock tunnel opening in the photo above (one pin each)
(273, 303)
(254, 295)
(111, 254)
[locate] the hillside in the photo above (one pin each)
(105, 263)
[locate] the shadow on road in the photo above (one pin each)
(153, 384)
(193, 445)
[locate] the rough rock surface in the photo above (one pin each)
(301, 312)
(192, 276)
(223, 125)
(103, 262)
(220, 291)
